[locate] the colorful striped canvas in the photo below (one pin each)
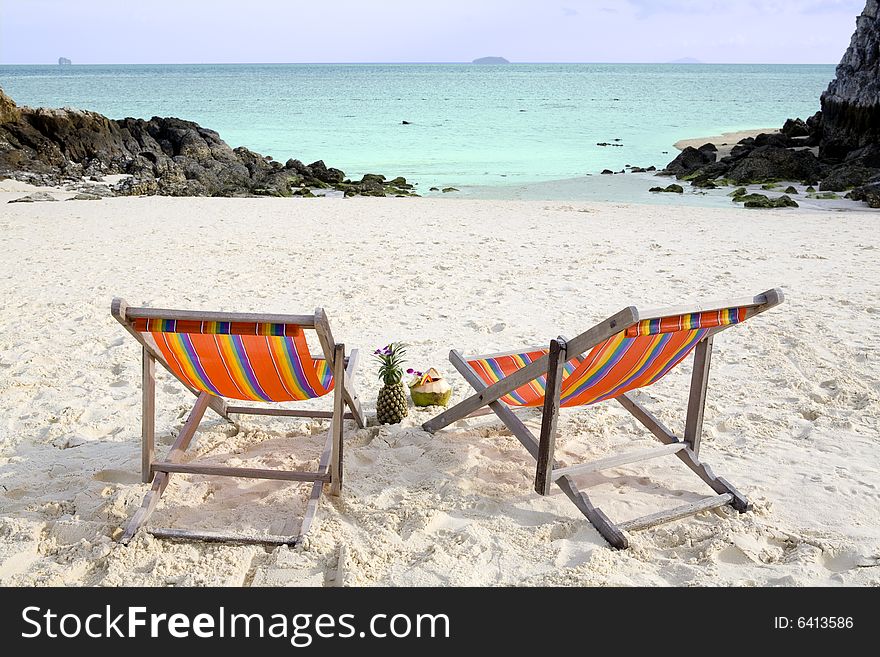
(704, 320)
(635, 358)
(213, 328)
(250, 362)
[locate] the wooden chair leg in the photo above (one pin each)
(352, 399)
(337, 426)
(693, 428)
(148, 415)
(160, 480)
(547, 444)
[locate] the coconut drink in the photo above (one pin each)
(430, 389)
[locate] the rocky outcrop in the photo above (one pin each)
(770, 163)
(845, 134)
(165, 156)
(851, 105)
(8, 111)
(869, 194)
(691, 159)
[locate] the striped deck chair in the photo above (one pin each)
(617, 356)
(245, 358)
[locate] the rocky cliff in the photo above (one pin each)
(851, 105)
(164, 156)
(837, 149)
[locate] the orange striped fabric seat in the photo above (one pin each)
(243, 361)
(635, 358)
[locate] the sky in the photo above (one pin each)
(288, 31)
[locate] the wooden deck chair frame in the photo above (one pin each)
(159, 472)
(542, 448)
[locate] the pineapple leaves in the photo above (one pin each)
(391, 359)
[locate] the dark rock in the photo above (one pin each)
(400, 183)
(869, 194)
(671, 189)
(321, 172)
(691, 159)
(770, 163)
(795, 128)
(651, 168)
(815, 123)
(705, 184)
(638, 170)
(773, 139)
(706, 173)
(791, 190)
(810, 189)
(761, 201)
(83, 196)
(851, 104)
(607, 172)
(867, 156)
(166, 156)
(447, 190)
(434, 189)
(847, 176)
(741, 150)
(373, 178)
(737, 193)
(406, 123)
(36, 197)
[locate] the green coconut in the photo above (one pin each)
(431, 390)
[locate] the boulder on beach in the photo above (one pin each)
(771, 163)
(795, 128)
(691, 159)
(869, 194)
(36, 197)
(671, 189)
(165, 156)
(763, 202)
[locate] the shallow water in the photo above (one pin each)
(472, 125)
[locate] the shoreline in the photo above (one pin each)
(618, 190)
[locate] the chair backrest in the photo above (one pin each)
(637, 356)
(262, 358)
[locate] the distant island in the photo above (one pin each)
(63, 61)
(686, 60)
(490, 60)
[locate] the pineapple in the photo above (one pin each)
(391, 406)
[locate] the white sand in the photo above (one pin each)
(792, 419)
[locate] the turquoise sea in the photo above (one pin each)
(472, 125)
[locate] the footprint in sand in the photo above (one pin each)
(117, 477)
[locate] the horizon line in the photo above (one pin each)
(416, 63)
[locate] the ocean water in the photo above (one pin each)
(486, 126)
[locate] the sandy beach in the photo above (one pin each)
(792, 418)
